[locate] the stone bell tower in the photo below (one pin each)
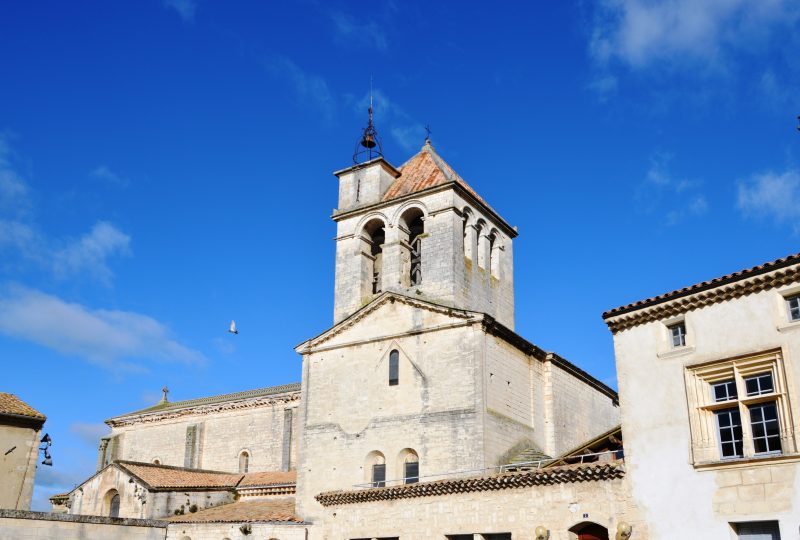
(419, 230)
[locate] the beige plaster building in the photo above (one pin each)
(20, 431)
(708, 379)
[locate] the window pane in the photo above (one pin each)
(724, 391)
(760, 384)
(411, 472)
(678, 333)
(794, 307)
(729, 427)
(758, 530)
(394, 368)
(766, 431)
(379, 475)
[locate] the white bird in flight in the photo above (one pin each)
(233, 329)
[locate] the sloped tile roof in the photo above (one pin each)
(259, 510)
(211, 400)
(163, 477)
(11, 404)
(705, 285)
(557, 475)
(268, 478)
(425, 170)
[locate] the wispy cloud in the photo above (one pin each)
(310, 88)
(185, 8)
(360, 34)
(90, 433)
(110, 338)
(102, 172)
(22, 242)
(641, 33)
(676, 197)
(772, 195)
(90, 252)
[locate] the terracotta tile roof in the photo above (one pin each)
(425, 170)
(557, 475)
(165, 477)
(11, 404)
(705, 285)
(211, 400)
(259, 510)
(268, 478)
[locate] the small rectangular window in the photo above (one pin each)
(724, 391)
(379, 475)
(496, 536)
(411, 472)
(793, 305)
(394, 368)
(766, 430)
(759, 384)
(677, 334)
(758, 530)
(729, 425)
(460, 537)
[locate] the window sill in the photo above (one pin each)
(747, 461)
(676, 352)
(789, 327)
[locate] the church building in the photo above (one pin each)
(421, 414)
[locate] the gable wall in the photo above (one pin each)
(20, 447)
(350, 410)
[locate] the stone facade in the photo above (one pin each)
(20, 433)
(265, 427)
(735, 328)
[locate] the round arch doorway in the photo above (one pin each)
(589, 531)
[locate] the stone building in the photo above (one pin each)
(420, 381)
(708, 380)
(20, 432)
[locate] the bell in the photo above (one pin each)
(368, 141)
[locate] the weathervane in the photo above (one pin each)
(428, 134)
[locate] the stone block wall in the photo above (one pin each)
(20, 446)
(231, 531)
(16, 525)
(223, 436)
(517, 511)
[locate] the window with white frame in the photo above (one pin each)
(793, 307)
(758, 530)
(739, 408)
(677, 334)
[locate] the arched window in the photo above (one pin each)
(373, 237)
(494, 254)
(469, 234)
(412, 221)
(408, 460)
(394, 368)
(482, 243)
(244, 461)
(375, 468)
(588, 531)
(112, 503)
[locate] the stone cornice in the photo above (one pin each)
(75, 518)
(681, 305)
(541, 477)
(159, 416)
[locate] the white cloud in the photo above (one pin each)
(772, 195)
(89, 253)
(310, 88)
(102, 172)
(641, 33)
(90, 433)
(109, 338)
(662, 191)
(368, 34)
(185, 8)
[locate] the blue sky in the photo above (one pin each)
(165, 166)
